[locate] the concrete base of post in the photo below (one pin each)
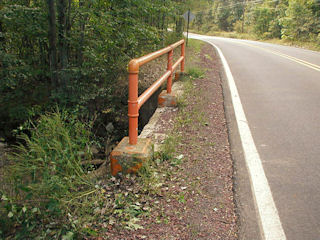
(167, 99)
(128, 158)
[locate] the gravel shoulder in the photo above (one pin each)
(210, 209)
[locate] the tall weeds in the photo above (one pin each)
(46, 177)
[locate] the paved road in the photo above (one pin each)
(279, 88)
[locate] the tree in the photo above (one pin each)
(222, 16)
(52, 43)
(199, 19)
(299, 23)
(262, 18)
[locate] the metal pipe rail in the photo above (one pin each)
(135, 102)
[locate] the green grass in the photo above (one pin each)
(47, 178)
(232, 35)
(184, 117)
(195, 72)
(196, 45)
(302, 44)
(168, 148)
(307, 45)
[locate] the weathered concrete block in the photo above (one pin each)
(128, 158)
(167, 100)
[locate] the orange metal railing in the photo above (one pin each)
(135, 101)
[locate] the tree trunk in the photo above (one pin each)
(179, 25)
(1, 33)
(82, 30)
(244, 15)
(163, 17)
(1, 27)
(1, 41)
(53, 44)
(63, 51)
(69, 23)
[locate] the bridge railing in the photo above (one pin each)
(135, 102)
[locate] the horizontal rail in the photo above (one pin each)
(135, 102)
(177, 63)
(177, 44)
(154, 87)
(152, 56)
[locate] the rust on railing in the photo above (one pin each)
(135, 101)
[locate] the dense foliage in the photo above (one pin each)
(73, 52)
(297, 20)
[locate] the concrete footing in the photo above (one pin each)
(167, 99)
(128, 158)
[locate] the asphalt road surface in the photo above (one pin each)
(279, 89)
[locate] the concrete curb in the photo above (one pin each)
(150, 130)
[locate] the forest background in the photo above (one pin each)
(294, 22)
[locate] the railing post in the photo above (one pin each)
(133, 109)
(169, 68)
(183, 54)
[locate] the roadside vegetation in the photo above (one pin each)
(50, 190)
(292, 22)
(63, 104)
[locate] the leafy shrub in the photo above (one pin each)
(171, 37)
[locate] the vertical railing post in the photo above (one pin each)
(183, 54)
(133, 109)
(169, 68)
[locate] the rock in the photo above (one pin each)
(94, 150)
(110, 127)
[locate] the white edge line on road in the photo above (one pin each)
(269, 217)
